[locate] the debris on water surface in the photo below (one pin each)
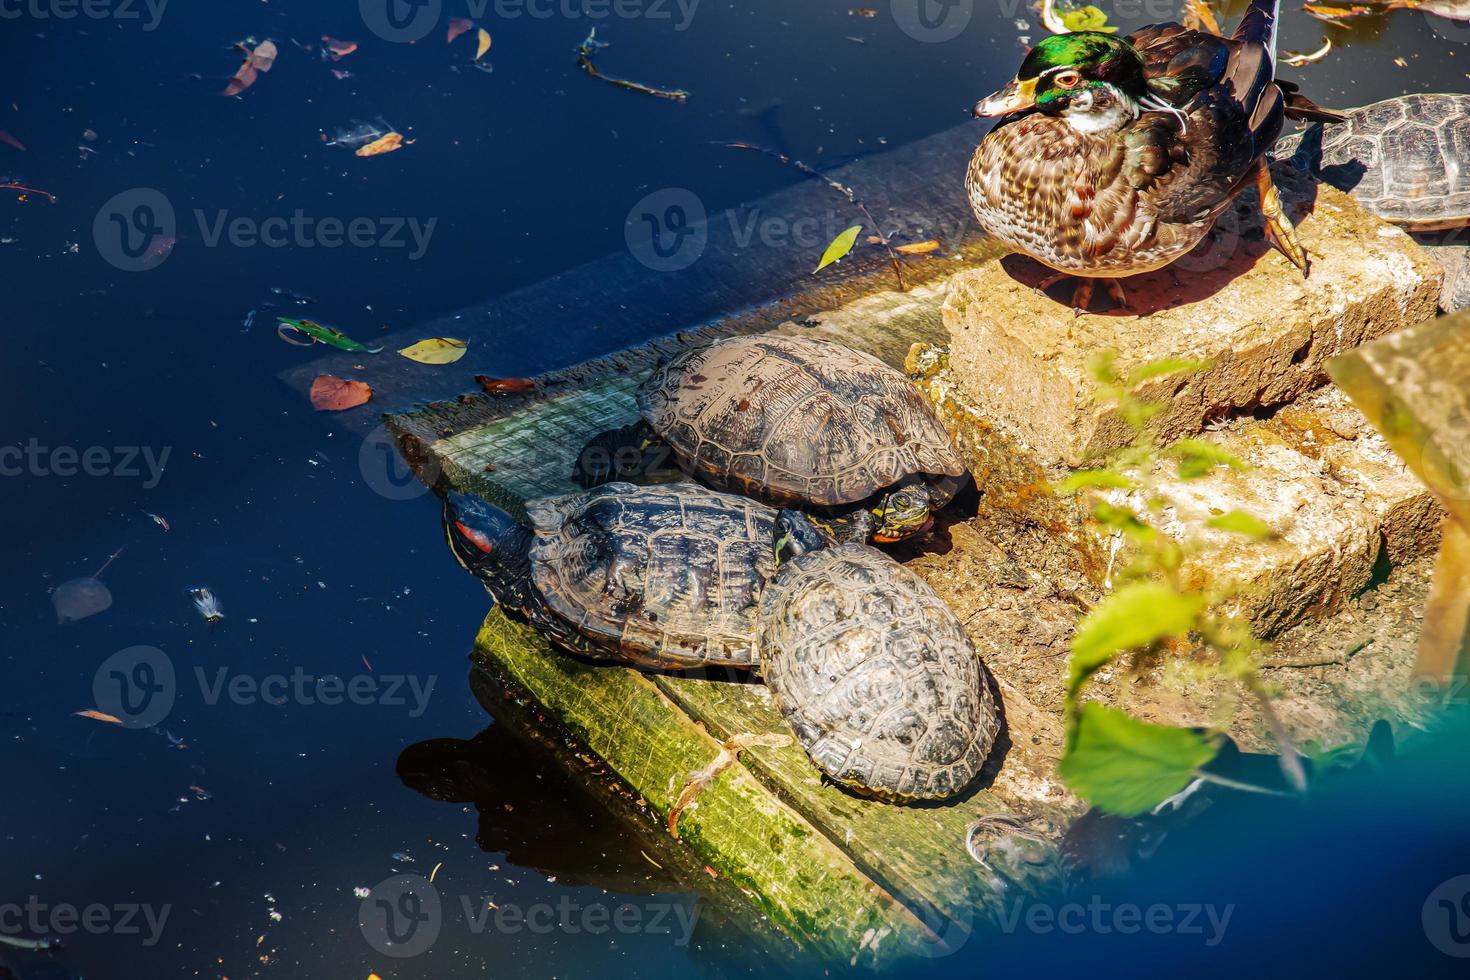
(436, 350)
(458, 26)
(386, 144)
(335, 49)
(1296, 59)
(402, 858)
(357, 134)
(505, 386)
(80, 598)
(208, 605)
(96, 715)
(258, 60)
(584, 61)
(333, 394)
(289, 330)
(7, 138)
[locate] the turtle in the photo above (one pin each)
(665, 577)
(875, 675)
(1407, 160)
(678, 575)
(803, 423)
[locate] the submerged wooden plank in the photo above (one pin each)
(795, 875)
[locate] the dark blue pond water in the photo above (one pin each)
(249, 813)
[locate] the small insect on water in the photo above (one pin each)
(208, 605)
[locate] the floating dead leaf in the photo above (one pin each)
(436, 350)
(7, 138)
(384, 144)
(918, 248)
(333, 394)
(484, 44)
(259, 60)
(506, 386)
(80, 598)
(458, 26)
(338, 49)
(1297, 59)
(840, 246)
(96, 715)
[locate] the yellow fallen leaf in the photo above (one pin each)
(919, 248)
(840, 246)
(98, 716)
(385, 144)
(435, 871)
(435, 350)
(484, 44)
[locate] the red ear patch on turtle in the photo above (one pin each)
(477, 538)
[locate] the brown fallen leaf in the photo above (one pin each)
(96, 715)
(339, 49)
(7, 138)
(332, 394)
(259, 60)
(506, 386)
(384, 144)
(458, 26)
(918, 248)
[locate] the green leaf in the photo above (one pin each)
(1157, 369)
(1122, 519)
(1197, 457)
(1239, 522)
(1125, 766)
(840, 246)
(1137, 615)
(1088, 18)
(321, 334)
(1087, 479)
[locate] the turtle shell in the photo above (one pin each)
(793, 421)
(665, 576)
(1406, 159)
(875, 675)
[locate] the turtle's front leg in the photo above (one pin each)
(1280, 232)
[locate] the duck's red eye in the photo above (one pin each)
(1068, 79)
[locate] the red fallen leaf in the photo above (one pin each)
(259, 60)
(458, 26)
(331, 394)
(506, 386)
(7, 138)
(339, 49)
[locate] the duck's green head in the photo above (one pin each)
(1082, 72)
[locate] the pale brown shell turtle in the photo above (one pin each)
(664, 576)
(809, 424)
(1408, 161)
(875, 675)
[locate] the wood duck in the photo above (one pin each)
(1114, 156)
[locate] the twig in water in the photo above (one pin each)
(584, 61)
(840, 188)
(16, 186)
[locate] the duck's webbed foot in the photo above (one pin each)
(1280, 232)
(1082, 292)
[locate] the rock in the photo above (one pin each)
(1454, 295)
(1022, 359)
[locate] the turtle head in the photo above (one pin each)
(1093, 80)
(486, 541)
(798, 533)
(902, 512)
